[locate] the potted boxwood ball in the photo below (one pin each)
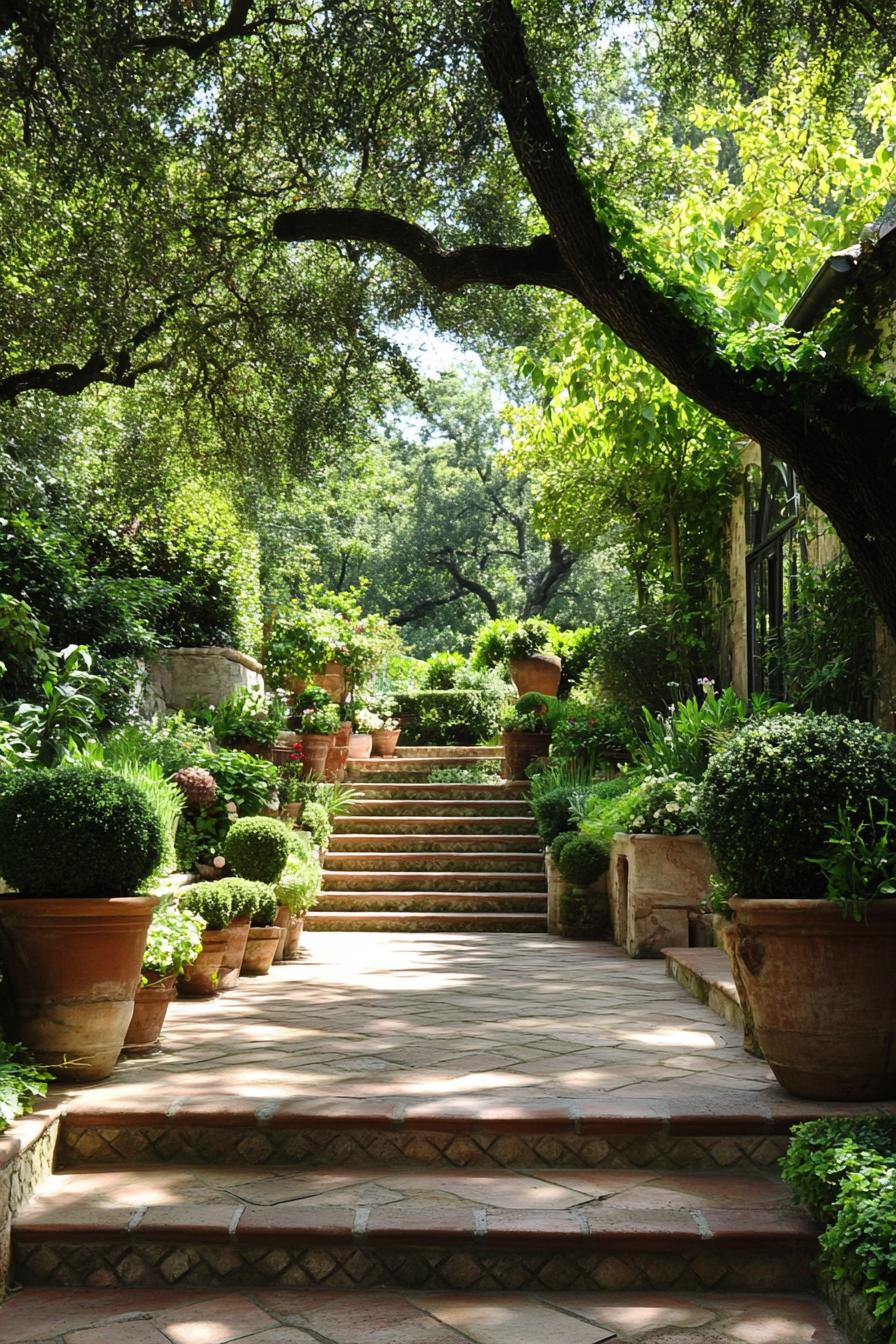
(174, 941)
(75, 845)
(211, 901)
(819, 981)
(264, 935)
(244, 900)
(526, 733)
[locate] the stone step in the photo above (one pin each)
(465, 754)
(472, 842)
(375, 1227)
(705, 972)
(417, 764)
(377, 1316)
(417, 879)
(418, 919)
(469, 809)
(431, 902)
(505, 790)
(428, 827)
(440, 860)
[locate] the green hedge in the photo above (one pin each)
(844, 1169)
(448, 718)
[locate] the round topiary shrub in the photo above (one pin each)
(769, 797)
(533, 702)
(211, 901)
(553, 816)
(77, 831)
(582, 860)
(257, 848)
(243, 893)
(266, 910)
(559, 842)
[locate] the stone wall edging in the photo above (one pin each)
(27, 1153)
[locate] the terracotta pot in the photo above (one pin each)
(249, 746)
(726, 937)
(73, 968)
(538, 672)
(200, 980)
(293, 810)
(822, 992)
(360, 745)
(237, 932)
(520, 749)
(343, 733)
(336, 759)
(290, 927)
(150, 1006)
(333, 681)
(314, 753)
(385, 740)
(261, 949)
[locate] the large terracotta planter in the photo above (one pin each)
(261, 949)
(315, 747)
(73, 968)
(290, 927)
(725, 933)
(335, 766)
(538, 672)
(343, 733)
(360, 745)
(150, 1006)
(823, 995)
(385, 740)
(200, 980)
(333, 681)
(293, 810)
(520, 749)
(237, 932)
(249, 746)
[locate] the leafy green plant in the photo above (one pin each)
(442, 670)
(172, 741)
(661, 805)
(244, 780)
(606, 808)
(257, 848)
(859, 861)
(504, 639)
(844, 1169)
(77, 831)
(245, 714)
(531, 636)
(164, 797)
(243, 893)
(211, 901)
(581, 860)
(477, 772)
(553, 814)
(300, 883)
(559, 843)
(449, 718)
(590, 731)
(312, 697)
(68, 714)
(174, 939)
(682, 742)
(532, 713)
(316, 820)
(322, 719)
(21, 1082)
(267, 906)
(768, 799)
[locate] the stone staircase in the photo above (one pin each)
(437, 857)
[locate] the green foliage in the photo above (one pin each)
(581, 860)
(552, 814)
(503, 639)
(244, 714)
(578, 650)
(171, 741)
(316, 820)
(165, 798)
(533, 713)
(477, 772)
(244, 780)
(844, 1169)
(859, 860)
(211, 901)
(769, 797)
(662, 805)
(442, 671)
(76, 831)
(174, 940)
(825, 657)
(588, 731)
(606, 808)
(312, 697)
(23, 641)
(559, 843)
(634, 660)
(265, 915)
(449, 718)
(65, 717)
(21, 1082)
(257, 848)
(683, 741)
(321, 719)
(299, 884)
(334, 797)
(246, 895)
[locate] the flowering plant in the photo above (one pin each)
(662, 805)
(365, 722)
(585, 731)
(319, 719)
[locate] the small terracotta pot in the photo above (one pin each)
(821, 989)
(360, 745)
(261, 949)
(229, 974)
(73, 968)
(336, 759)
(200, 980)
(343, 733)
(385, 740)
(293, 810)
(315, 747)
(539, 672)
(150, 1006)
(520, 749)
(290, 927)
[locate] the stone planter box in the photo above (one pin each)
(655, 881)
(562, 895)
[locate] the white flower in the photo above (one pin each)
(673, 807)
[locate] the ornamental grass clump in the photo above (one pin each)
(257, 848)
(768, 800)
(77, 831)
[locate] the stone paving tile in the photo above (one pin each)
(283, 1316)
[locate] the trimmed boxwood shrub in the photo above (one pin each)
(266, 910)
(257, 848)
(244, 894)
(768, 798)
(210, 900)
(581, 860)
(77, 831)
(552, 814)
(559, 843)
(459, 718)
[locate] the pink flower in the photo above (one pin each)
(218, 861)
(231, 807)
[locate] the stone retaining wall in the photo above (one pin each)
(211, 674)
(27, 1149)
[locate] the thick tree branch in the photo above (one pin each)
(545, 583)
(237, 24)
(539, 263)
(424, 607)
(471, 585)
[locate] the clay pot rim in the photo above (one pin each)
(262, 931)
(639, 836)
(780, 910)
(65, 904)
(519, 732)
(553, 658)
(159, 986)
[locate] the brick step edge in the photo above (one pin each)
(705, 972)
(415, 921)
